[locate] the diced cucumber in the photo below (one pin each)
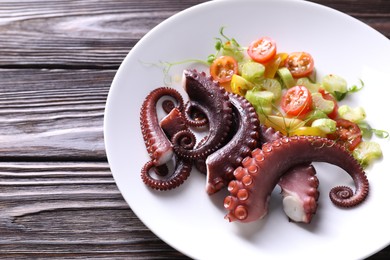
(263, 111)
(313, 87)
(355, 115)
(252, 71)
(335, 85)
(273, 86)
(326, 125)
(366, 152)
(239, 85)
(261, 100)
(322, 104)
(315, 114)
(286, 77)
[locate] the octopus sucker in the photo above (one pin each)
(158, 145)
(212, 100)
(290, 152)
(221, 164)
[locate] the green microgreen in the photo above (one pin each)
(368, 131)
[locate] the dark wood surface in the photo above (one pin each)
(57, 60)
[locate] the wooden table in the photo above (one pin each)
(57, 60)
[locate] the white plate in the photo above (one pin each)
(187, 218)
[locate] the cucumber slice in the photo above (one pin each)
(257, 97)
(286, 77)
(322, 104)
(326, 125)
(261, 100)
(313, 87)
(335, 85)
(316, 114)
(355, 115)
(366, 152)
(273, 86)
(252, 71)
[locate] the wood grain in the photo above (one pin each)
(43, 117)
(58, 199)
(77, 34)
(98, 34)
(68, 209)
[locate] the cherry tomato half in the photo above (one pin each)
(328, 96)
(347, 133)
(262, 50)
(223, 68)
(300, 64)
(297, 101)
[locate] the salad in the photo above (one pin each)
(287, 95)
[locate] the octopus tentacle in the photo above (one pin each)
(184, 139)
(214, 102)
(261, 171)
(161, 170)
(268, 134)
(221, 164)
(300, 193)
(167, 105)
(200, 163)
(171, 124)
(181, 172)
(194, 115)
(159, 147)
(299, 185)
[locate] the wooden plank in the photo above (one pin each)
(99, 34)
(69, 209)
(77, 34)
(374, 13)
(63, 208)
(43, 116)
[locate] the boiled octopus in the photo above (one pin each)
(221, 164)
(158, 142)
(158, 145)
(211, 99)
(299, 185)
(172, 139)
(240, 153)
(260, 173)
(300, 193)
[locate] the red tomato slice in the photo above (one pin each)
(329, 96)
(347, 133)
(223, 68)
(300, 64)
(262, 50)
(297, 101)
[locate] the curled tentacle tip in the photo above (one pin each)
(343, 197)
